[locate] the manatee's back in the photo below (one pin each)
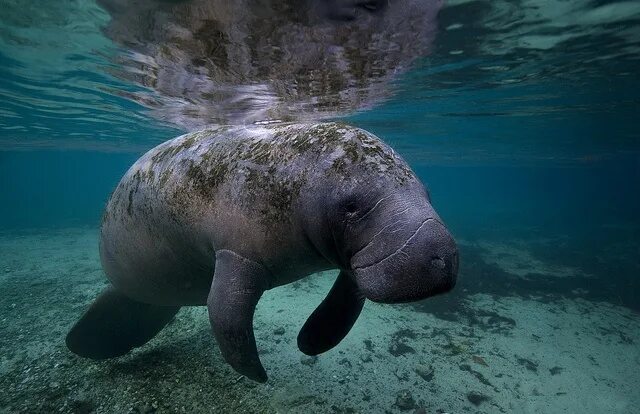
(176, 204)
(151, 241)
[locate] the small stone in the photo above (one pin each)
(7, 270)
(278, 331)
(425, 372)
(479, 360)
(420, 410)
(308, 360)
(476, 398)
(555, 370)
(405, 401)
(148, 409)
(79, 406)
(365, 358)
(401, 374)
(345, 362)
(368, 344)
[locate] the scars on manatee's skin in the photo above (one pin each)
(215, 218)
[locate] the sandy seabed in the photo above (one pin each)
(472, 351)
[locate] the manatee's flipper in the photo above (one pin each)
(115, 324)
(333, 319)
(237, 286)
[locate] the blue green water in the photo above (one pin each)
(520, 117)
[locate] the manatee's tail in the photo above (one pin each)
(115, 324)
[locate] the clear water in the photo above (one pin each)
(520, 116)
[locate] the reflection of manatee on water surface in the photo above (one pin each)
(222, 62)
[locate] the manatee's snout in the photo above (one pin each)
(423, 265)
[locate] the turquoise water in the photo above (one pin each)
(520, 117)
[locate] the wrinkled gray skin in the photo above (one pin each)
(219, 216)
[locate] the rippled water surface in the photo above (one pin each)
(74, 76)
(521, 117)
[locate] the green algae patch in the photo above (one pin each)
(264, 168)
(273, 193)
(186, 142)
(133, 187)
(206, 181)
(357, 148)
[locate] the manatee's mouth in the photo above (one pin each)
(424, 265)
(355, 266)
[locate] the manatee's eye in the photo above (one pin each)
(351, 207)
(372, 5)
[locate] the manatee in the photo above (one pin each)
(219, 216)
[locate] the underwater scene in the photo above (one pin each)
(319, 206)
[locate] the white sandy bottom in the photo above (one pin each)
(573, 356)
(519, 355)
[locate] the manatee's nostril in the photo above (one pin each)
(438, 262)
